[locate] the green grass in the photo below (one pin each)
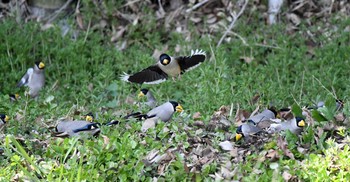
(83, 76)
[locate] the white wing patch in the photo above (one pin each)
(156, 81)
(27, 77)
(197, 52)
(125, 77)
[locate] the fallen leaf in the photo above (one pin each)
(149, 123)
(226, 145)
(246, 59)
(196, 115)
(272, 155)
(286, 176)
(282, 144)
(199, 124)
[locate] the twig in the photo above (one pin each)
(54, 16)
(324, 86)
(197, 6)
(87, 31)
(268, 46)
(302, 85)
(232, 23)
(240, 37)
(130, 3)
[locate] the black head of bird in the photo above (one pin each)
(14, 97)
(239, 133)
(177, 106)
(273, 109)
(300, 121)
(40, 65)
(143, 92)
(4, 118)
(164, 59)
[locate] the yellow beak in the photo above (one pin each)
(165, 61)
(179, 108)
(7, 118)
(89, 118)
(141, 94)
(41, 65)
(238, 136)
(278, 116)
(301, 123)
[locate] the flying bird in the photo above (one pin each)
(166, 67)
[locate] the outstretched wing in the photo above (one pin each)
(150, 75)
(190, 62)
(25, 79)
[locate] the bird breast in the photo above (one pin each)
(172, 69)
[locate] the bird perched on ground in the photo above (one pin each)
(71, 128)
(75, 128)
(151, 101)
(163, 112)
(267, 114)
(339, 104)
(14, 97)
(34, 79)
(167, 66)
(246, 130)
(3, 119)
(295, 125)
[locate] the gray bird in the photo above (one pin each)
(246, 130)
(295, 125)
(263, 116)
(338, 103)
(151, 101)
(34, 79)
(74, 128)
(167, 66)
(164, 112)
(3, 119)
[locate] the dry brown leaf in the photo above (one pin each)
(286, 176)
(234, 152)
(272, 155)
(105, 140)
(340, 117)
(283, 145)
(149, 123)
(255, 99)
(211, 18)
(294, 19)
(118, 34)
(199, 124)
(196, 19)
(226, 145)
(246, 59)
(196, 115)
(79, 19)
